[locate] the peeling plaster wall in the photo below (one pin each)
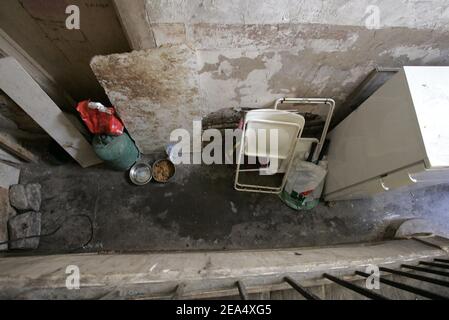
(251, 52)
(248, 53)
(155, 92)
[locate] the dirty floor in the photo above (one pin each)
(200, 210)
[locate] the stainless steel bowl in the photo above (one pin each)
(140, 174)
(170, 166)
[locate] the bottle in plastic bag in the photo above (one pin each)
(305, 184)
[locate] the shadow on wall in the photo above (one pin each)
(39, 27)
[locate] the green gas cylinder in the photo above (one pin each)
(119, 152)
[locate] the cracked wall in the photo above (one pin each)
(253, 52)
(154, 92)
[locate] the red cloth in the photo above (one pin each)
(100, 122)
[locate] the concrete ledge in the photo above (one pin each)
(205, 274)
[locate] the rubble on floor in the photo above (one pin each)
(6, 212)
(24, 226)
(25, 197)
(21, 229)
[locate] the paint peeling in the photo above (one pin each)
(237, 68)
(401, 13)
(169, 33)
(413, 53)
(154, 92)
(250, 53)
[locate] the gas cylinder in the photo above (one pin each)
(118, 152)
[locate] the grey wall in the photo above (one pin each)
(252, 52)
(38, 27)
(248, 52)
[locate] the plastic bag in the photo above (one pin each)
(99, 119)
(305, 185)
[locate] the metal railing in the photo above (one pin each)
(372, 294)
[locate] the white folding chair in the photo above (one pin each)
(271, 135)
(274, 118)
(330, 103)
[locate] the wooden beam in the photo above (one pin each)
(8, 157)
(8, 47)
(6, 211)
(8, 143)
(21, 87)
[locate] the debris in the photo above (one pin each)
(330, 204)
(227, 118)
(414, 228)
(12, 145)
(6, 212)
(33, 192)
(26, 197)
(23, 226)
(170, 151)
(17, 197)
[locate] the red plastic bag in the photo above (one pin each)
(99, 119)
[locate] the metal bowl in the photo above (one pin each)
(140, 174)
(170, 167)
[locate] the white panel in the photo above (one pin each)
(380, 137)
(430, 93)
(359, 191)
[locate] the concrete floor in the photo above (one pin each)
(200, 210)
